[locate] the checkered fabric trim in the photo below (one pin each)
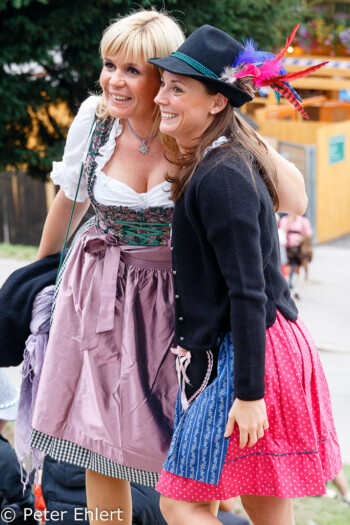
(62, 450)
(81, 230)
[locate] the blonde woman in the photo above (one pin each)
(108, 386)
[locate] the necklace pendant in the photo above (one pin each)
(144, 148)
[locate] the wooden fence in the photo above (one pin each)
(24, 203)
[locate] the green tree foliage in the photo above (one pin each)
(35, 33)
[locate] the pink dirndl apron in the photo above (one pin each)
(108, 382)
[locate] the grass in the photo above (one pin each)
(317, 510)
(18, 251)
(322, 511)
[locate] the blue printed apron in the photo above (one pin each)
(198, 446)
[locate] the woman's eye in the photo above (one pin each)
(133, 71)
(108, 65)
(162, 83)
(177, 90)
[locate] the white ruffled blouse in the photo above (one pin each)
(106, 190)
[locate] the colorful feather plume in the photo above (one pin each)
(248, 55)
(261, 69)
(248, 71)
(288, 43)
(265, 55)
(298, 74)
(295, 93)
(283, 89)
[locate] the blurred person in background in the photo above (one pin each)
(299, 247)
(13, 500)
(342, 488)
(282, 237)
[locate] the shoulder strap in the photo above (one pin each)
(75, 200)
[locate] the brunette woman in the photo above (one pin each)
(253, 415)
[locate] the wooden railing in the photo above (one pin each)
(23, 207)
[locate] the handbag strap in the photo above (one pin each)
(90, 136)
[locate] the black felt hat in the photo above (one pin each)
(204, 56)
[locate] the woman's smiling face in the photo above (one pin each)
(129, 87)
(186, 107)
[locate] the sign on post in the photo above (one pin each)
(336, 149)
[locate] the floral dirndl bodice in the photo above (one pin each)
(148, 227)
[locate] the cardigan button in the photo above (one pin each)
(174, 272)
(171, 248)
(182, 338)
(177, 296)
(181, 318)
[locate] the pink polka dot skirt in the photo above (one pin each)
(300, 451)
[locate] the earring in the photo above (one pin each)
(212, 111)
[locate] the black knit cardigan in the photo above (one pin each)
(227, 268)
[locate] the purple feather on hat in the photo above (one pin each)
(248, 55)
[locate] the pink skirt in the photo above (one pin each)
(300, 451)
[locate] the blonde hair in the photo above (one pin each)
(139, 36)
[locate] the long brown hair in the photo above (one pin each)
(243, 143)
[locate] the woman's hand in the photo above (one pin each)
(251, 419)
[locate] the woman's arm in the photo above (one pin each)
(291, 185)
(66, 174)
(229, 207)
(57, 221)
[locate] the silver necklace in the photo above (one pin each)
(143, 148)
